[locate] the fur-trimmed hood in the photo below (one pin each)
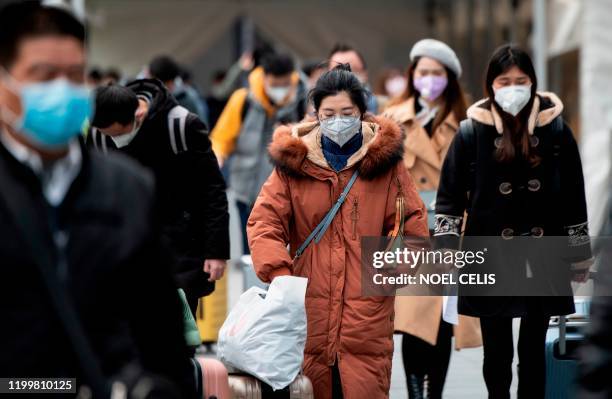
(546, 107)
(382, 147)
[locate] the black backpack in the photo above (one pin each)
(177, 119)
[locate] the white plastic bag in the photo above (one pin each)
(265, 333)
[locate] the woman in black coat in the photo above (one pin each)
(514, 171)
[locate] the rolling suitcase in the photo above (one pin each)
(301, 388)
(244, 386)
(214, 380)
(563, 338)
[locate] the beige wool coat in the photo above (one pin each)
(423, 157)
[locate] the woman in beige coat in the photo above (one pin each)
(429, 112)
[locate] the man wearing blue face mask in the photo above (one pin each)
(73, 255)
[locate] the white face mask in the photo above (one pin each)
(396, 86)
(125, 139)
(340, 129)
(513, 99)
(277, 94)
(178, 84)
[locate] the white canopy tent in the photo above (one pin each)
(128, 33)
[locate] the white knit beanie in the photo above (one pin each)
(439, 51)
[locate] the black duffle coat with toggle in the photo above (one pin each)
(507, 201)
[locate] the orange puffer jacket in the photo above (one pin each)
(343, 325)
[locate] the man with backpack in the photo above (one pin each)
(144, 121)
(276, 95)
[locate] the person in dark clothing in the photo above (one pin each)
(216, 103)
(166, 70)
(518, 176)
(63, 214)
(194, 92)
(144, 121)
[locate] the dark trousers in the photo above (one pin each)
(499, 351)
(423, 360)
(336, 382)
(192, 301)
(244, 210)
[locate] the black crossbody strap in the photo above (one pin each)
(319, 231)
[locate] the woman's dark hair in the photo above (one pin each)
(340, 79)
(515, 135)
(453, 95)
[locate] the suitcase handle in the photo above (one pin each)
(563, 324)
(562, 335)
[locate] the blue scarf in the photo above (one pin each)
(337, 156)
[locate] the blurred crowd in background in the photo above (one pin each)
(250, 108)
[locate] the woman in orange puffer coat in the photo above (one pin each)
(349, 346)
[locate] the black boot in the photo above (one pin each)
(416, 386)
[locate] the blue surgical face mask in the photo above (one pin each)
(53, 112)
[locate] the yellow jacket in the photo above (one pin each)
(227, 129)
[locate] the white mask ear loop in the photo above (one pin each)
(10, 118)
(135, 126)
(138, 123)
(10, 80)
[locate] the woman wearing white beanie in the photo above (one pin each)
(429, 112)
